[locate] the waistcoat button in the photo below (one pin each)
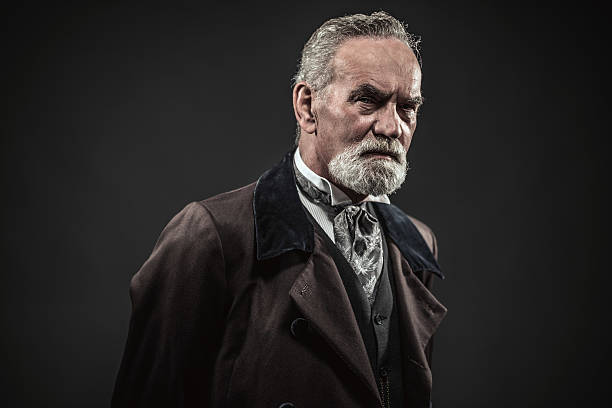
(378, 319)
(299, 328)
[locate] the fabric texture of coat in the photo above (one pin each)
(240, 305)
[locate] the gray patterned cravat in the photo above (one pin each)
(357, 235)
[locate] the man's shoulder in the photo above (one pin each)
(401, 218)
(226, 218)
(239, 196)
(427, 234)
(230, 206)
(212, 212)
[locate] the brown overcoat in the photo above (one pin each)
(240, 305)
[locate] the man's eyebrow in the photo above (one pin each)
(415, 100)
(377, 94)
(367, 90)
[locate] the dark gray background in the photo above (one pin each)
(116, 116)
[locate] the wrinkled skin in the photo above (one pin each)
(375, 93)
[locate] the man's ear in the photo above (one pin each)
(302, 107)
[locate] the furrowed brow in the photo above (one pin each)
(415, 100)
(367, 90)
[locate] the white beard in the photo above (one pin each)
(370, 176)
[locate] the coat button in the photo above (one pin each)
(378, 319)
(299, 328)
(286, 405)
(383, 372)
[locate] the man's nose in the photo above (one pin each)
(388, 123)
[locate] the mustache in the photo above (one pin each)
(375, 146)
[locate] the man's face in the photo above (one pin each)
(368, 111)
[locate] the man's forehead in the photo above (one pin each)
(386, 63)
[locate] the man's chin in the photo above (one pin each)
(368, 174)
(382, 177)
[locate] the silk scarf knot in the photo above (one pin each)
(356, 232)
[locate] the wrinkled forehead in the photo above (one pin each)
(387, 63)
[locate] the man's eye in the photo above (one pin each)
(408, 108)
(365, 99)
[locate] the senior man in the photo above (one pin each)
(306, 288)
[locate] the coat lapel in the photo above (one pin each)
(281, 226)
(420, 314)
(320, 296)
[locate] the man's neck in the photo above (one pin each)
(356, 198)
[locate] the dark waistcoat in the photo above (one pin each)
(378, 323)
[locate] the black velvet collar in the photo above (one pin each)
(281, 224)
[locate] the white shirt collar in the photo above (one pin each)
(338, 197)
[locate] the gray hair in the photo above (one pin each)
(315, 64)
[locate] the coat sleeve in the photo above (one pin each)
(178, 311)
